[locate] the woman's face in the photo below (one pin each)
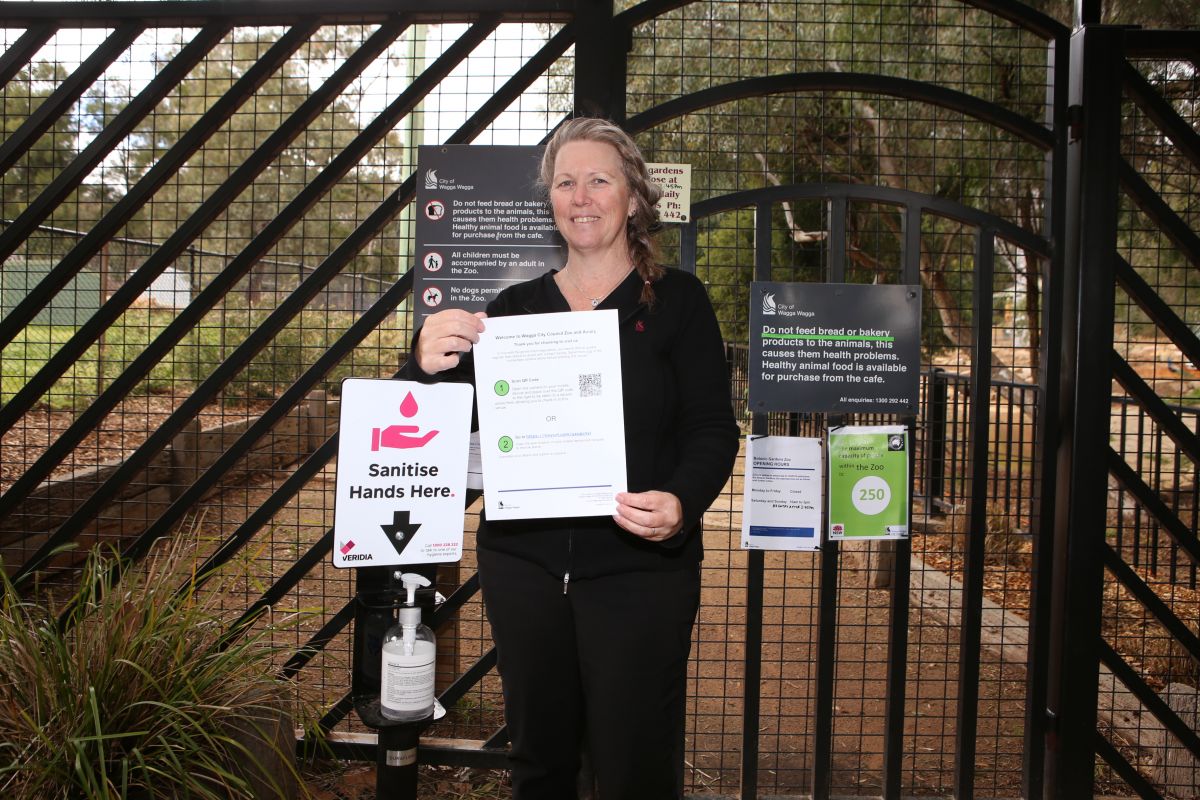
(590, 198)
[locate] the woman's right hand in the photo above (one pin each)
(445, 336)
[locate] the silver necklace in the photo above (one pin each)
(595, 301)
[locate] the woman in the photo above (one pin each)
(592, 616)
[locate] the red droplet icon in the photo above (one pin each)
(409, 407)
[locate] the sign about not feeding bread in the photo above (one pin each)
(482, 225)
(834, 347)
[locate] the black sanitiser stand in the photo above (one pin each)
(378, 594)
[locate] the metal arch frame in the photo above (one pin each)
(987, 227)
(1051, 141)
(1014, 123)
(1019, 14)
(876, 194)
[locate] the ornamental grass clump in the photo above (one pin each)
(135, 692)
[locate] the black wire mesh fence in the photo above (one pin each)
(206, 223)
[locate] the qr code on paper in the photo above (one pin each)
(589, 385)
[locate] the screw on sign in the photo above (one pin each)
(432, 297)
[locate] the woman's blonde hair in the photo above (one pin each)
(643, 222)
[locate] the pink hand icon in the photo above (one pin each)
(396, 437)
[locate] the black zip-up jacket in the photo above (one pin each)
(680, 432)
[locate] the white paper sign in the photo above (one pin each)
(781, 500)
(401, 472)
(474, 464)
(675, 180)
(551, 420)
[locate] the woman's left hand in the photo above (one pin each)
(654, 516)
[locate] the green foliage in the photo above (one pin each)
(330, 221)
(285, 358)
(53, 151)
(140, 697)
(289, 354)
(815, 137)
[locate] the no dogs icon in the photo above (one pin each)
(432, 296)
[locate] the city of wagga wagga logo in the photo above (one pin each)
(791, 310)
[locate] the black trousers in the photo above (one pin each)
(606, 661)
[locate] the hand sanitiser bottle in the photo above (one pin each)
(409, 653)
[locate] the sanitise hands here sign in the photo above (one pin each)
(402, 472)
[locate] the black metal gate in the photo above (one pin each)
(206, 223)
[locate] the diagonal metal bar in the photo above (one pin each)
(1131, 482)
(265, 510)
(289, 580)
(358, 239)
(22, 51)
(498, 740)
(69, 179)
(138, 195)
(67, 93)
(259, 517)
(336, 713)
(1159, 312)
(166, 255)
(1149, 401)
(1150, 599)
(1153, 206)
(316, 643)
(177, 13)
(1151, 101)
(518, 83)
(454, 603)
(473, 675)
(1112, 756)
(183, 323)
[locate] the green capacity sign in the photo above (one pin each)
(869, 490)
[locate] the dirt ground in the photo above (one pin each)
(117, 435)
